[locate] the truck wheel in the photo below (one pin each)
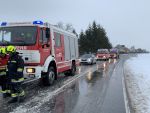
(50, 77)
(72, 71)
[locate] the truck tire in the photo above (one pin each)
(72, 71)
(50, 77)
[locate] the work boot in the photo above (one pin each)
(21, 96)
(5, 95)
(21, 99)
(13, 100)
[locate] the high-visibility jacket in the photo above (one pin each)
(15, 67)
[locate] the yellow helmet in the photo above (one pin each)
(10, 49)
(2, 50)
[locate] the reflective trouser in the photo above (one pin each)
(16, 88)
(3, 84)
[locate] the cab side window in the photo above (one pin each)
(43, 38)
(57, 39)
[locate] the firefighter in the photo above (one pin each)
(3, 76)
(15, 67)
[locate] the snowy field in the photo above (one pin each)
(137, 76)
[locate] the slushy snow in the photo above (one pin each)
(137, 76)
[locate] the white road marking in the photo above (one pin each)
(74, 79)
(125, 96)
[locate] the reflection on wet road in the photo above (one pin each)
(87, 94)
(92, 90)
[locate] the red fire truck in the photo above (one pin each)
(46, 49)
(102, 54)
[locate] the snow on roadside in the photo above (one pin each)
(137, 76)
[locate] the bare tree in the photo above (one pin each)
(69, 27)
(60, 25)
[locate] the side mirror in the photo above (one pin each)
(47, 32)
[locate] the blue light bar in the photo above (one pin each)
(38, 22)
(3, 23)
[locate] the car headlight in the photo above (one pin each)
(79, 59)
(89, 59)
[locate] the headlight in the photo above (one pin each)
(89, 59)
(80, 60)
(30, 70)
(104, 65)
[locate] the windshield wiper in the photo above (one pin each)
(22, 43)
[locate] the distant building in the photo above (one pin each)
(132, 49)
(122, 49)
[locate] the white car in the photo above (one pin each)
(88, 59)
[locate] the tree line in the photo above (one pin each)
(93, 38)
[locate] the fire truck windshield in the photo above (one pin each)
(18, 35)
(102, 51)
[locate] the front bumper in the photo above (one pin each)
(113, 56)
(85, 62)
(36, 74)
(102, 58)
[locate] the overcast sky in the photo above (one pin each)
(125, 21)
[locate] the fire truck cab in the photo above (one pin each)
(102, 54)
(45, 49)
(114, 54)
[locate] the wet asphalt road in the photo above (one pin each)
(95, 89)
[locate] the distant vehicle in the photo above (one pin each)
(114, 53)
(88, 59)
(102, 54)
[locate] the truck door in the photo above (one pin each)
(44, 45)
(59, 47)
